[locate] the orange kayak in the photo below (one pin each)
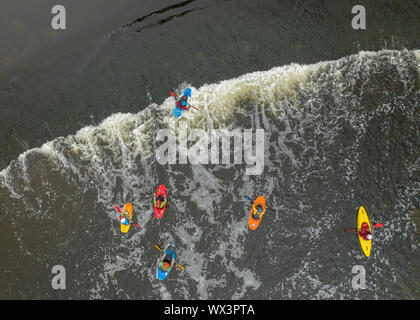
(253, 221)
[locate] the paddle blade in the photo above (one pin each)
(378, 225)
(180, 266)
(172, 94)
(137, 226)
(118, 209)
(350, 230)
(249, 199)
(158, 248)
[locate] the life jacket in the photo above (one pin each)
(364, 228)
(255, 214)
(364, 231)
(182, 102)
(126, 215)
(163, 267)
(159, 200)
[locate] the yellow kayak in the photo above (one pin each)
(362, 217)
(128, 214)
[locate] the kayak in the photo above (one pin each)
(363, 217)
(254, 223)
(160, 191)
(127, 213)
(177, 113)
(161, 275)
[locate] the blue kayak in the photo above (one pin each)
(177, 112)
(183, 101)
(170, 256)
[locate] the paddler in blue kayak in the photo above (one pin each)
(182, 104)
(167, 260)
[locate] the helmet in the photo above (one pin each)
(123, 220)
(187, 92)
(165, 265)
(369, 236)
(259, 209)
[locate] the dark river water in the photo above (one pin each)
(81, 111)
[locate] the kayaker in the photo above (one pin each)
(258, 212)
(365, 232)
(183, 101)
(125, 218)
(164, 263)
(125, 221)
(165, 266)
(159, 201)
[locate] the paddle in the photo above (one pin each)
(252, 201)
(176, 97)
(378, 225)
(176, 264)
(137, 225)
(119, 210)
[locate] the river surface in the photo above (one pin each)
(81, 111)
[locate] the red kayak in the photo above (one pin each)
(160, 191)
